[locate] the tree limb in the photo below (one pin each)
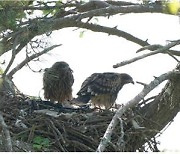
(41, 26)
(111, 31)
(13, 56)
(6, 135)
(160, 50)
(28, 59)
(157, 46)
(130, 104)
(149, 47)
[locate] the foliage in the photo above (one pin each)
(10, 16)
(172, 6)
(40, 143)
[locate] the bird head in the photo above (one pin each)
(61, 65)
(126, 78)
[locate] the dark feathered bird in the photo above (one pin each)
(102, 88)
(57, 82)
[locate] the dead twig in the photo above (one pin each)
(57, 135)
(150, 47)
(171, 55)
(28, 59)
(31, 134)
(160, 50)
(81, 145)
(141, 83)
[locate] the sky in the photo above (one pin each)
(98, 52)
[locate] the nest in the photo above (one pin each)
(71, 130)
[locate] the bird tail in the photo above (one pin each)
(82, 99)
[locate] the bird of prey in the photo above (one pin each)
(57, 82)
(101, 89)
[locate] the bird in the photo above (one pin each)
(101, 89)
(57, 82)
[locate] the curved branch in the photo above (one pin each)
(130, 104)
(41, 26)
(112, 31)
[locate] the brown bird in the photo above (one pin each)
(102, 88)
(57, 82)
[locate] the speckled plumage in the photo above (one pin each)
(57, 82)
(102, 88)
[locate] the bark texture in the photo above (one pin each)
(157, 113)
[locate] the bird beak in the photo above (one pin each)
(131, 82)
(45, 69)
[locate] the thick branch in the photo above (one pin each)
(112, 31)
(157, 113)
(12, 57)
(39, 27)
(6, 135)
(111, 10)
(28, 59)
(130, 104)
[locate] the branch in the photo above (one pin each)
(111, 31)
(96, 4)
(149, 47)
(39, 27)
(121, 142)
(121, 3)
(171, 55)
(111, 10)
(13, 56)
(91, 5)
(28, 59)
(160, 50)
(157, 46)
(107, 135)
(6, 135)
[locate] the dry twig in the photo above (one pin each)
(160, 50)
(28, 59)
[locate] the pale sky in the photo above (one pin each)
(97, 52)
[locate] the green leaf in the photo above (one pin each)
(41, 142)
(37, 139)
(81, 34)
(1, 71)
(46, 142)
(37, 146)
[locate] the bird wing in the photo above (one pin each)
(101, 83)
(87, 83)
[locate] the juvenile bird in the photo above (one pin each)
(101, 89)
(57, 82)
